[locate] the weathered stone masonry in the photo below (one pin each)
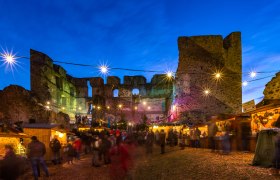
(70, 95)
(199, 58)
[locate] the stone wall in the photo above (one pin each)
(199, 58)
(53, 87)
(272, 88)
(152, 101)
(51, 84)
(18, 104)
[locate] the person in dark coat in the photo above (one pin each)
(245, 133)
(197, 134)
(70, 153)
(11, 167)
(171, 138)
(162, 137)
(150, 142)
(212, 131)
(55, 147)
(105, 149)
(35, 152)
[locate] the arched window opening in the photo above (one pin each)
(89, 89)
(116, 93)
(135, 91)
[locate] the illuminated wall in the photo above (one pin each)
(198, 93)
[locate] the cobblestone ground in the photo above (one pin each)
(174, 164)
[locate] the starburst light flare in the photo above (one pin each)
(253, 74)
(9, 59)
(169, 74)
(103, 69)
(244, 83)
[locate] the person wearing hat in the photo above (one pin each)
(35, 152)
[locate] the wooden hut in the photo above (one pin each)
(263, 117)
(14, 138)
(45, 133)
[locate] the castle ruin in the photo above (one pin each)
(62, 92)
(160, 100)
(200, 57)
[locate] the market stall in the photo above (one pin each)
(166, 128)
(263, 122)
(203, 135)
(16, 140)
(45, 133)
(262, 118)
(225, 135)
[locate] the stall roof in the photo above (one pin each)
(12, 134)
(40, 126)
(264, 108)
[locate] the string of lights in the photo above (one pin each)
(10, 60)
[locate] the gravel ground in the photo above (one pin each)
(199, 164)
(176, 164)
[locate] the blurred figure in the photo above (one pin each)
(87, 142)
(11, 167)
(112, 139)
(157, 137)
(182, 139)
(78, 147)
(118, 139)
(55, 147)
(192, 138)
(35, 152)
(197, 134)
(188, 140)
(150, 142)
(175, 137)
(170, 138)
(162, 137)
(226, 141)
(70, 153)
(245, 133)
(122, 161)
(96, 152)
(105, 149)
(212, 131)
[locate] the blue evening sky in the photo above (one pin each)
(135, 34)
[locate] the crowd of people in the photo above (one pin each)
(112, 148)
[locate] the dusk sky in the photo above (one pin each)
(136, 34)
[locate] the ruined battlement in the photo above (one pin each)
(159, 83)
(135, 80)
(199, 58)
(211, 43)
(51, 83)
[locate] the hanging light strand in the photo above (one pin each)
(104, 69)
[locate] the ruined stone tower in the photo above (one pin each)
(55, 88)
(200, 57)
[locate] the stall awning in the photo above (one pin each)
(264, 108)
(40, 126)
(11, 134)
